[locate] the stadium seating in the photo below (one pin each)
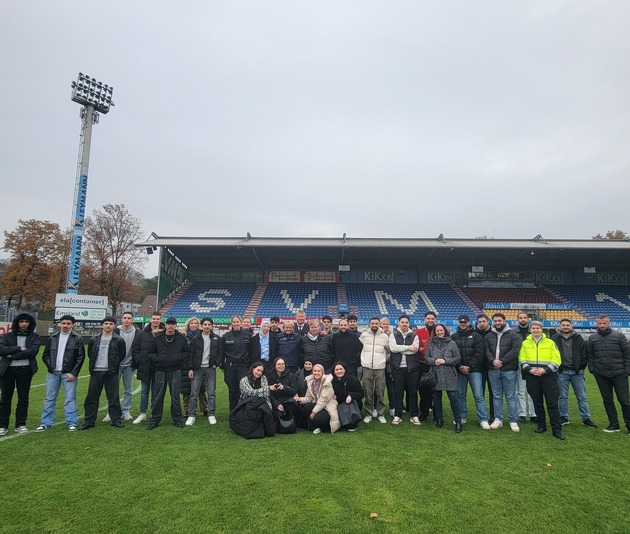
(413, 299)
(479, 295)
(285, 299)
(613, 301)
(213, 299)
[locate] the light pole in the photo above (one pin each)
(95, 97)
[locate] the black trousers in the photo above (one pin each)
(426, 393)
(389, 384)
(620, 386)
(98, 379)
(162, 379)
(406, 381)
(438, 411)
(15, 378)
(232, 375)
(545, 388)
(321, 419)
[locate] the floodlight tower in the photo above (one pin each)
(95, 97)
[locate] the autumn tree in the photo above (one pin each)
(111, 265)
(612, 234)
(37, 265)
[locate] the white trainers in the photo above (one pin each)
(396, 420)
(317, 431)
(71, 428)
(212, 420)
(140, 418)
(3, 431)
(484, 425)
(127, 416)
(381, 419)
(367, 419)
(21, 430)
(190, 421)
(497, 423)
(374, 413)
(514, 427)
(40, 428)
(107, 419)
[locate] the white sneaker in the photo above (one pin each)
(140, 418)
(21, 429)
(381, 419)
(190, 421)
(497, 423)
(212, 420)
(367, 419)
(107, 419)
(514, 427)
(484, 425)
(71, 428)
(317, 431)
(40, 428)
(374, 413)
(3, 431)
(396, 420)
(127, 416)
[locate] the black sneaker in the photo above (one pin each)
(522, 419)
(589, 423)
(533, 420)
(612, 428)
(564, 421)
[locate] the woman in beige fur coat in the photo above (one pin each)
(318, 408)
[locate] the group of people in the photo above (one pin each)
(304, 371)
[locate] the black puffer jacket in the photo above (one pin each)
(143, 345)
(318, 351)
(9, 349)
(252, 418)
(608, 353)
(509, 349)
(470, 345)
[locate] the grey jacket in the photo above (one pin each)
(445, 374)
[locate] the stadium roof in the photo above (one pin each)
(442, 252)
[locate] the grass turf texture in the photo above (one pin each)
(207, 479)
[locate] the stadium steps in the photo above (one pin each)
(579, 310)
(252, 307)
(175, 297)
(467, 300)
(342, 295)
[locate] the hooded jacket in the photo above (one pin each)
(10, 350)
(143, 345)
(608, 353)
(446, 374)
(375, 349)
(509, 345)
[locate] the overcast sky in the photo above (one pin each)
(315, 118)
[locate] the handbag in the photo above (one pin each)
(286, 423)
(349, 414)
(429, 379)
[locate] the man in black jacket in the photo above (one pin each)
(105, 352)
(168, 360)
(237, 349)
(205, 354)
(471, 350)
(609, 361)
(18, 364)
(347, 348)
(573, 352)
(143, 345)
(63, 355)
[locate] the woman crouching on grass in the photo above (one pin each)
(347, 388)
(255, 384)
(283, 388)
(443, 354)
(318, 407)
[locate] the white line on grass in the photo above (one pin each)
(104, 407)
(44, 383)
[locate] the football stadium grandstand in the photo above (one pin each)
(261, 277)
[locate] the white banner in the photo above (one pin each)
(67, 300)
(82, 314)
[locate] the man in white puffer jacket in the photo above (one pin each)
(373, 360)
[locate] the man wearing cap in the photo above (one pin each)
(105, 352)
(471, 350)
(170, 357)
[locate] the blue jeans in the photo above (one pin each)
(145, 388)
(503, 382)
(576, 379)
(476, 385)
(53, 382)
(127, 378)
(207, 375)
